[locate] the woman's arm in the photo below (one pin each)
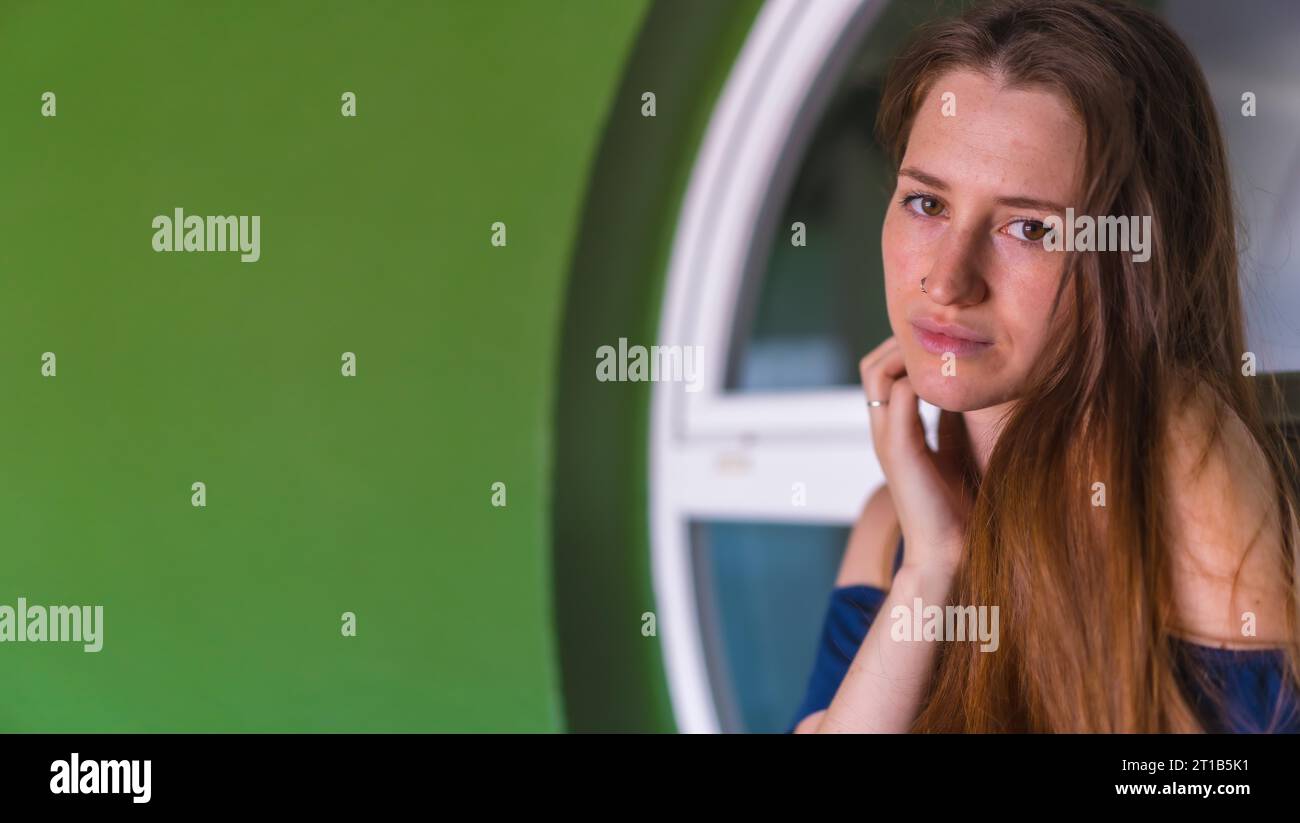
(868, 561)
(872, 545)
(883, 688)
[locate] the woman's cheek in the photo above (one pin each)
(890, 244)
(1033, 266)
(1021, 265)
(1028, 275)
(1026, 323)
(897, 265)
(908, 244)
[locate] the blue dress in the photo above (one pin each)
(1253, 682)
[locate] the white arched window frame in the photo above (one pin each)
(716, 454)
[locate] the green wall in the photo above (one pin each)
(325, 494)
(613, 672)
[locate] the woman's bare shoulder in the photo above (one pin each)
(869, 556)
(1224, 530)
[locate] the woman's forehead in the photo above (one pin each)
(973, 131)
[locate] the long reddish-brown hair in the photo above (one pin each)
(1085, 593)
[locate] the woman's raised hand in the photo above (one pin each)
(930, 494)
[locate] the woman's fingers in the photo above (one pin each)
(896, 427)
(886, 345)
(905, 427)
(930, 519)
(879, 370)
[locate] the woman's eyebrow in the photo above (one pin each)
(1031, 203)
(1015, 202)
(921, 177)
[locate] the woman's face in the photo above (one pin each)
(973, 189)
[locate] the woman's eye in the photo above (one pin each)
(924, 204)
(1031, 231)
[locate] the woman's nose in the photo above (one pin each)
(956, 278)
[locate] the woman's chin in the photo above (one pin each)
(955, 394)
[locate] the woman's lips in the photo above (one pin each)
(937, 343)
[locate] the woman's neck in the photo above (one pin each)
(983, 427)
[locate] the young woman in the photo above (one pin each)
(1104, 477)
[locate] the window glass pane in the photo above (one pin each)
(763, 591)
(1251, 48)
